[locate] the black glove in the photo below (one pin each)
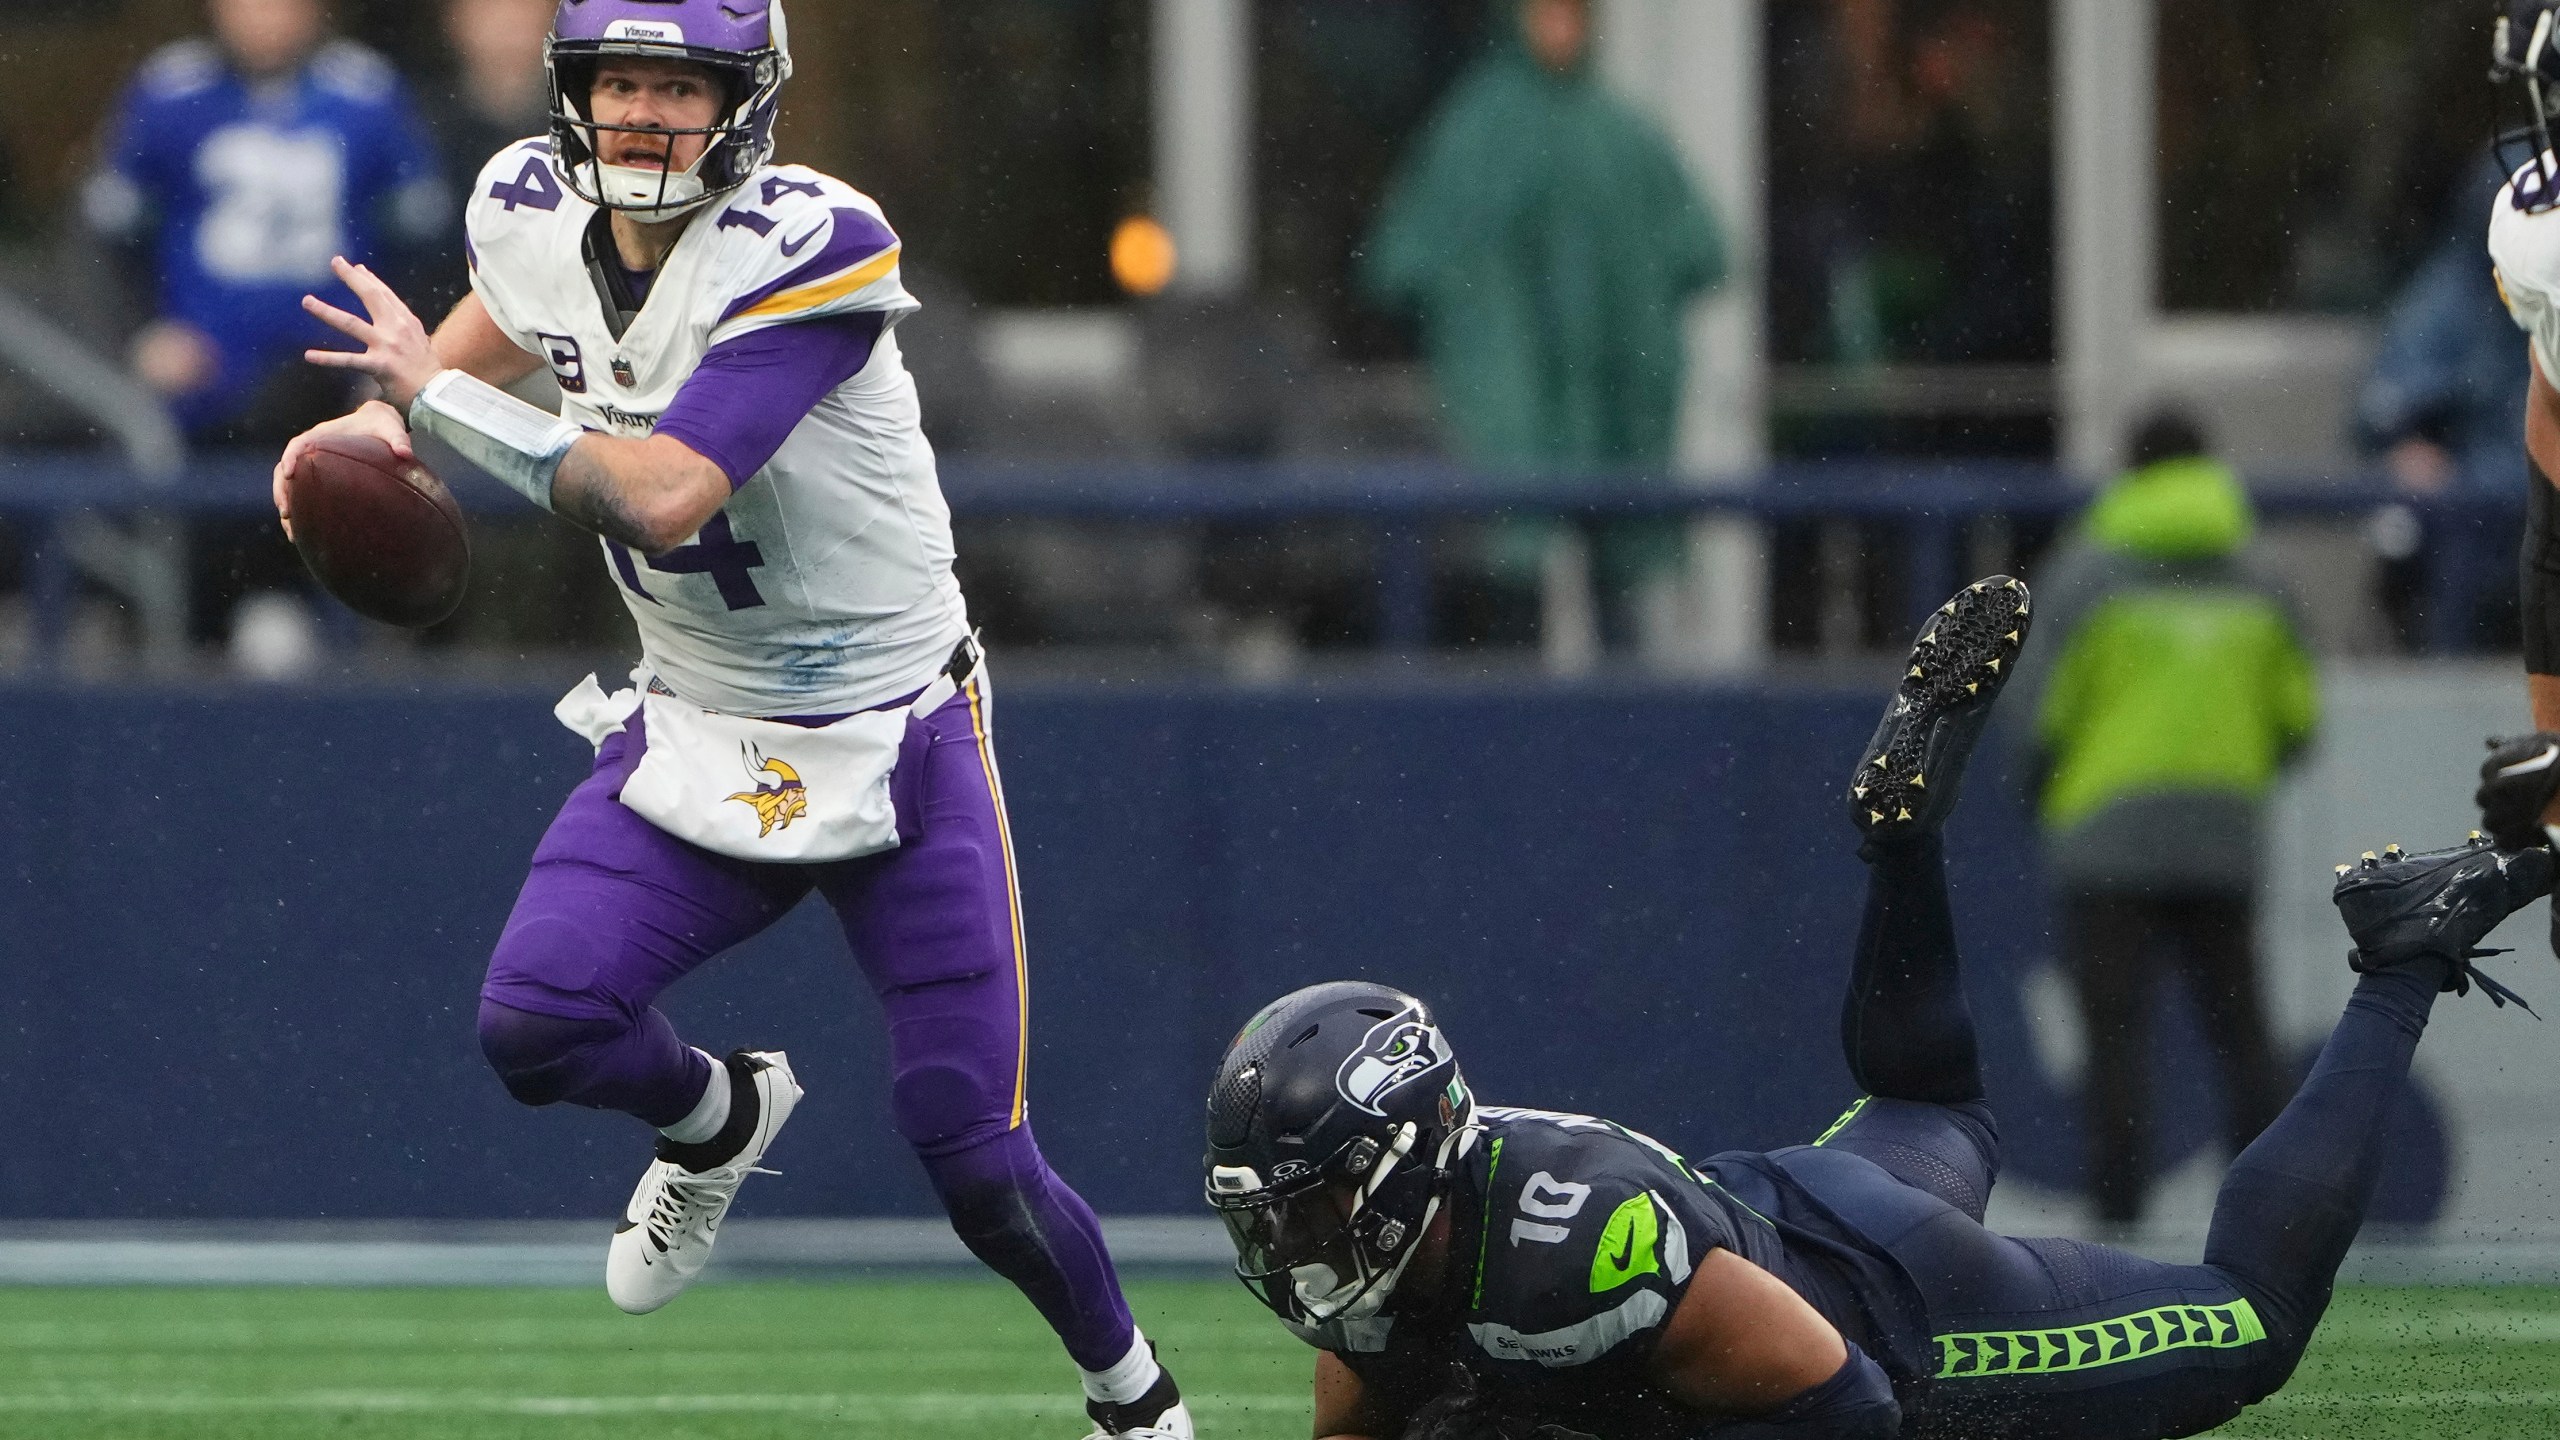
(2517, 783)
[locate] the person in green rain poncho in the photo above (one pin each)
(1550, 243)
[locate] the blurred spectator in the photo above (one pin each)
(2169, 687)
(233, 169)
(2444, 409)
(1551, 242)
(1917, 225)
(498, 94)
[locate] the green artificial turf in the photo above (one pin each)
(925, 1358)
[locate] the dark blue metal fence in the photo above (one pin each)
(1927, 504)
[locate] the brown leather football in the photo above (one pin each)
(379, 532)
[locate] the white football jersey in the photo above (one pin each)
(2525, 248)
(825, 586)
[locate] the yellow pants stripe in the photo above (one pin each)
(1013, 898)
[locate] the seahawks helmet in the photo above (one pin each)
(746, 43)
(1336, 1119)
(2526, 54)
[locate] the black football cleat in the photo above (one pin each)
(1907, 781)
(2401, 907)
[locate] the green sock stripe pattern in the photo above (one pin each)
(2107, 1342)
(1843, 1122)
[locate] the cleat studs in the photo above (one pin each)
(1974, 688)
(1950, 608)
(1915, 674)
(2371, 860)
(2013, 638)
(2392, 852)
(1905, 815)
(1857, 792)
(1875, 817)
(1995, 667)
(2343, 869)
(1919, 782)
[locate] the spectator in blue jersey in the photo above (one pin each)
(235, 166)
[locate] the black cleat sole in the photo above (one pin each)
(2401, 907)
(1907, 781)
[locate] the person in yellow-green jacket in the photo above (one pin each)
(2172, 688)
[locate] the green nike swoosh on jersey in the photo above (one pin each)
(1629, 1246)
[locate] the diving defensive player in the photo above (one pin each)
(1468, 1272)
(809, 713)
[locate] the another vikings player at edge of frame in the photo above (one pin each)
(810, 711)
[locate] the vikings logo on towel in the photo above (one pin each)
(776, 804)
(1396, 1052)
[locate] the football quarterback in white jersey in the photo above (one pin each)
(809, 713)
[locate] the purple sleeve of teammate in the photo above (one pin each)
(750, 393)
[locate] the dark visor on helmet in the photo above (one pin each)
(1281, 1234)
(1297, 1223)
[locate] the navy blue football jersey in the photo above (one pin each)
(1574, 1240)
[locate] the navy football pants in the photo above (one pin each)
(2061, 1338)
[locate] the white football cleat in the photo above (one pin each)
(665, 1236)
(1174, 1424)
(1119, 1422)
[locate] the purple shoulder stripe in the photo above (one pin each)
(857, 238)
(470, 252)
(749, 394)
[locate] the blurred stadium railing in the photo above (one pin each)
(1926, 516)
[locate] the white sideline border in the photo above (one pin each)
(571, 1252)
(516, 1252)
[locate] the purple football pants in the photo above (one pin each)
(616, 910)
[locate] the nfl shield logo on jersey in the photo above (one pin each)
(623, 374)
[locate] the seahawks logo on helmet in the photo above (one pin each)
(1397, 1051)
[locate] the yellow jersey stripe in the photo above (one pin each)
(810, 297)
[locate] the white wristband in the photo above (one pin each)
(520, 444)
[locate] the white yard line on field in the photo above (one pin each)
(928, 1405)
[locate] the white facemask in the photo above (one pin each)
(638, 192)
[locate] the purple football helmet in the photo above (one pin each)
(746, 43)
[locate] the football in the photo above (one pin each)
(381, 533)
